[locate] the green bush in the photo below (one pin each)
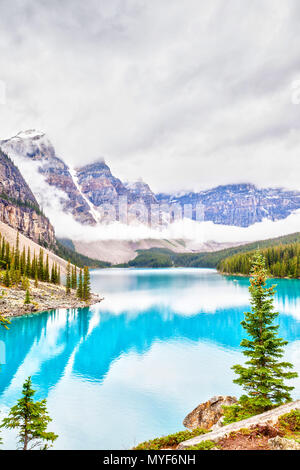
(204, 445)
(290, 421)
(243, 409)
(171, 440)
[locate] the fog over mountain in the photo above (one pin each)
(87, 203)
(188, 95)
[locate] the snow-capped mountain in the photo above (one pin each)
(48, 176)
(85, 192)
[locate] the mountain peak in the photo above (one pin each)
(98, 166)
(29, 134)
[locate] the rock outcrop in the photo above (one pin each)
(269, 417)
(18, 206)
(208, 414)
(281, 443)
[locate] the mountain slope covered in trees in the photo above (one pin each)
(156, 257)
(281, 261)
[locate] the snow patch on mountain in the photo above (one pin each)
(95, 214)
(29, 134)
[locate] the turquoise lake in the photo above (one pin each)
(132, 367)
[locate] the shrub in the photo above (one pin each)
(290, 421)
(170, 440)
(204, 445)
(243, 409)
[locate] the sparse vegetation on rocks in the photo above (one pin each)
(170, 441)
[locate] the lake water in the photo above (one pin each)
(131, 367)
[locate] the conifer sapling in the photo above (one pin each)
(31, 419)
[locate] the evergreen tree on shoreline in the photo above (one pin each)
(80, 286)
(32, 419)
(263, 375)
(27, 298)
(74, 277)
(68, 278)
(16, 265)
(86, 284)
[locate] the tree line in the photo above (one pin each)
(281, 261)
(79, 282)
(17, 265)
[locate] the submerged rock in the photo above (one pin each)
(208, 414)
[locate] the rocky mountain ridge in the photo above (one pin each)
(92, 194)
(18, 206)
(36, 147)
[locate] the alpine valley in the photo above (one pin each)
(35, 180)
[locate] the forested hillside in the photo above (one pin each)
(281, 261)
(161, 257)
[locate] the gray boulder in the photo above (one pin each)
(281, 443)
(208, 414)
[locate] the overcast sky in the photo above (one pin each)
(186, 94)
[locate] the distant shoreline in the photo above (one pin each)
(249, 275)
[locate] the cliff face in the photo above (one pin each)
(100, 187)
(239, 204)
(35, 146)
(98, 184)
(18, 206)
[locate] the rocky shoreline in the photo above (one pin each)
(44, 297)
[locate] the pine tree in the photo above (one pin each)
(80, 286)
(33, 266)
(86, 284)
(17, 252)
(7, 254)
(68, 278)
(41, 265)
(263, 375)
(25, 283)
(28, 263)
(36, 280)
(23, 262)
(12, 270)
(7, 278)
(27, 298)
(74, 277)
(53, 277)
(46, 271)
(31, 418)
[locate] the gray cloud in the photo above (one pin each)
(186, 95)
